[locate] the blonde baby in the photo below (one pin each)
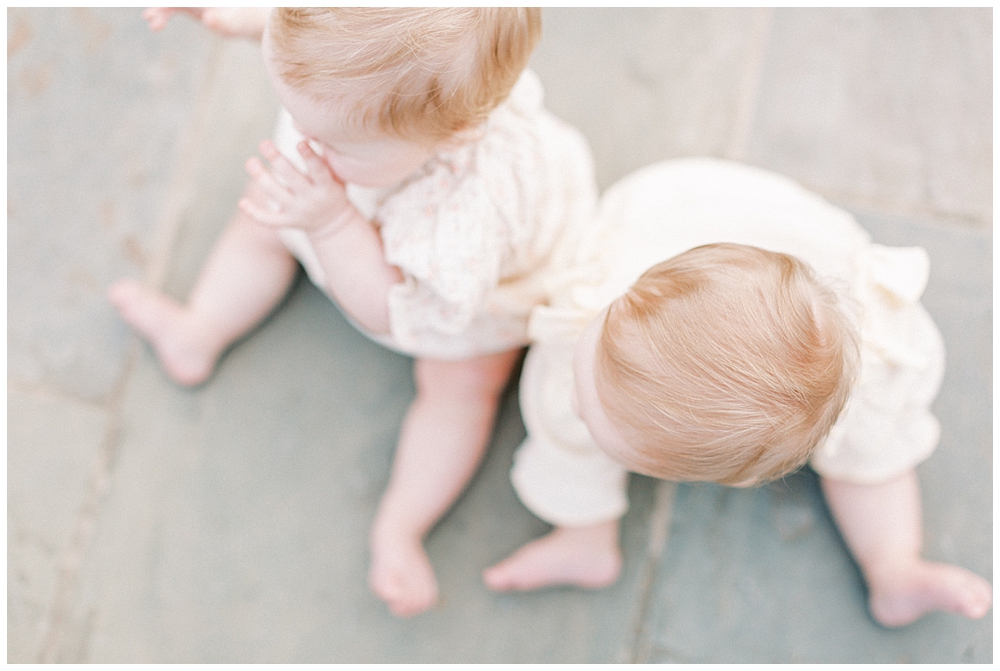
(782, 336)
(417, 178)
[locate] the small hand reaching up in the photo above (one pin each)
(283, 197)
(347, 245)
(227, 21)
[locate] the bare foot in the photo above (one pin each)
(402, 575)
(169, 328)
(581, 556)
(906, 595)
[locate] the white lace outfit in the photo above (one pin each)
(667, 208)
(473, 230)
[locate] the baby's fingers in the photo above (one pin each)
(319, 171)
(263, 215)
(236, 21)
(263, 210)
(159, 17)
(282, 168)
(266, 182)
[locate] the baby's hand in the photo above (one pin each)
(159, 17)
(281, 196)
(228, 21)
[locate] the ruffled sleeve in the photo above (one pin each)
(465, 222)
(446, 237)
(887, 427)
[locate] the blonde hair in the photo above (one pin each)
(727, 363)
(425, 72)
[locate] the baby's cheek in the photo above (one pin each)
(347, 172)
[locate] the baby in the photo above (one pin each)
(731, 364)
(420, 182)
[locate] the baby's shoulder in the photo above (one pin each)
(499, 168)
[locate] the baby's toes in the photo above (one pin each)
(386, 585)
(420, 595)
(413, 603)
(979, 597)
(406, 591)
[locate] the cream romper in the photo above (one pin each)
(474, 230)
(667, 208)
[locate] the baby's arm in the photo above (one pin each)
(347, 244)
(229, 21)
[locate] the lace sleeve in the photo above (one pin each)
(447, 238)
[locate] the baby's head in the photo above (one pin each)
(727, 364)
(422, 75)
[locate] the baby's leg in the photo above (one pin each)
(580, 556)
(882, 526)
(443, 439)
(247, 273)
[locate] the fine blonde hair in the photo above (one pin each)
(412, 72)
(727, 363)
